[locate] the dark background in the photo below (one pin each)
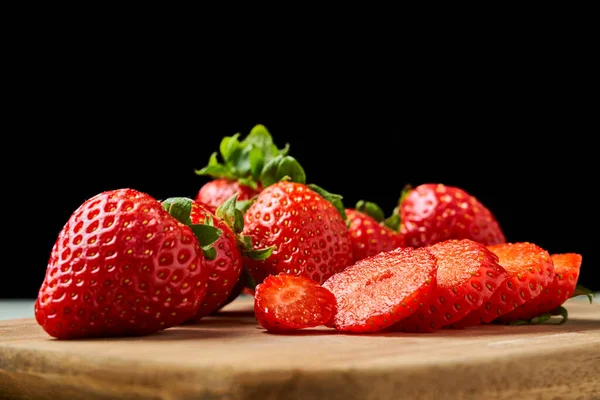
(518, 137)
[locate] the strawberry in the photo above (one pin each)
(566, 274)
(529, 269)
(213, 193)
(368, 233)
(381, 290)
(240, 169)
(467, 275)
(225, 264)
(307, 232)
(122, 265)
(432, 213)
(289, 302)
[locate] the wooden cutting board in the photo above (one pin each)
(231, 357)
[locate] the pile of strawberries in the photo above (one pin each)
(126, 263)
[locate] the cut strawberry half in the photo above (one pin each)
(288, 302)
(468, 274)
(378, 291)
(529, 269)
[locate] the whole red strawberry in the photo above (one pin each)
(432, 213)
(121, 266)
(307, 232)
(213, 193)
(368, 233)
(468, 274)
(225, 260)
(240, 168)
(378, 291)
(290, 302)
(529, 269)
(566, 274)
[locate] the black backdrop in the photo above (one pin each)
(524, 150)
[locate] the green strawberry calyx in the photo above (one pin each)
(229, 213)
(393, 221)
(371, 209)
(207, 234)
(545, 318)
(287, 168)
(583, 291)
(243, 160)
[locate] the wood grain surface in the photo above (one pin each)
(230, 357)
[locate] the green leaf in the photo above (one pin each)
(282, 167)
(371, 209)
(248, 279)
(583, 291)
(405, 192)
(260, 138)
(393, 221)
(334, 199)
(257, 162)
(216, 171)
(282, 152)
(244, 205)
(229, 147)
(179, 208)
(229, 214)
(562, 312)
(207, 235)
(259, 254)
(545, 317)
(210, 253)
(251, 183)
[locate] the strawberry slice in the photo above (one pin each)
(529, 269)
(566, 274)
(468, 274)
(288, 302)
(378, 291)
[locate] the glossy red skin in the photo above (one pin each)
(213, 193)
(290, 302)
(566, 274)
(368, 236)
(309, 234)
(468, 274)
(381, 290)
(529, 269)
(121, 266)
(432, 213)
(224, 270)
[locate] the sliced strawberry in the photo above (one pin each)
(566, 274)
(290, 302)
(378, 291)
(468, 274)
(529, 269)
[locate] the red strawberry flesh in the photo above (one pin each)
(566, 274)
(378, 291)
(468, 274)
(529, 269)
(289, 302)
